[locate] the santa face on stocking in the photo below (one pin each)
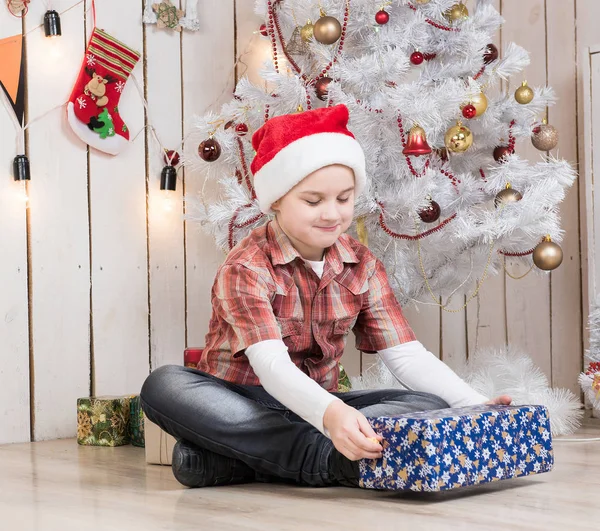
(93, 108)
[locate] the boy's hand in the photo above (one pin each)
(502, 400)
(350, 432)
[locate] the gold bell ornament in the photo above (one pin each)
(327, 30)
(524, 94)
(544, 136)
(508, 195)
(417, 142)
(307, 31)
(547, 255)
(458, 138)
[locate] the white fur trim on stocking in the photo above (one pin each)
(112, 145)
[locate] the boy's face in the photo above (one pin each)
(317, 210)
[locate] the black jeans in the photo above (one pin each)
(246, 423)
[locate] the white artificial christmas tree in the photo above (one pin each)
(440, 115)
(399, 107)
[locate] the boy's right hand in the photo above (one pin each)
(350, 432)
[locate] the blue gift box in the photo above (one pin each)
(451, 448)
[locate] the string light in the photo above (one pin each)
(21, 168)
(21, 174)
(52, 24)
(168, 183)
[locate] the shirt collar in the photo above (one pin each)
(283, 252)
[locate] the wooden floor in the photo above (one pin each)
(59, 485)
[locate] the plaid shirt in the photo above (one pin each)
(265, 290)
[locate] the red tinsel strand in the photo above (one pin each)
(480, 73)
(429, 56)
(239, 177)
(410, 237)
(509, 253)
(233, 225)
(435, 24)
(266, 113)
(245, 168)
(482, 175)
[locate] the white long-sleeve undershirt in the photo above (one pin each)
(411, 364)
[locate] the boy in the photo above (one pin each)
(262, 405)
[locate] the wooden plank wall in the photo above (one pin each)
(101, 280)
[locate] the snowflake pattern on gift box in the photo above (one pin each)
(451, 448)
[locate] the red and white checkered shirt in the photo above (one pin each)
(265, 290)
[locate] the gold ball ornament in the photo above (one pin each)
(458, 138)
(457, 12)
(547, 255)
(544, 137)
(508, 195)
(307, 31)
(524, 94)
(327, 30)
(480, 102)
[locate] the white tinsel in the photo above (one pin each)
(590, 379)
(374, 72)
(501, 371)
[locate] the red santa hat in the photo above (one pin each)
(292, 146)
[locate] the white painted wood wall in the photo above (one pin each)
(99, 283)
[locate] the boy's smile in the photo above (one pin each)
(317, 210)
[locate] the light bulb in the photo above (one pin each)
(24, 195)
(169, 200)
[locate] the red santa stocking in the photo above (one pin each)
(93, 108)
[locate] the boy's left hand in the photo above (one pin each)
(502, 400)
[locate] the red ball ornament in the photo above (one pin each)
(491, 54)
(469, 111)
(322, 88)
(241, 129)
(416, 58)
(171, 157)
(209, 150)
(382, 17)
(430, 213)
(263, 30)
(500, 153)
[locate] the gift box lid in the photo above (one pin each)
(465, 411)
